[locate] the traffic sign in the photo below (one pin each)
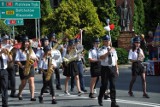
(20, 9)
(14, 22)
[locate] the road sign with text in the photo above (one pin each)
(14, 22)
(20, 9)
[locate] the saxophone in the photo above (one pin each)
(29, 63)
(49, 70)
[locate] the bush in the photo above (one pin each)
(122, 55)
(86, 58)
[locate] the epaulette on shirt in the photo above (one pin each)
(102, 48)
(91, 49)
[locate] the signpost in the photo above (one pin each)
(20, 9)
(14, 22)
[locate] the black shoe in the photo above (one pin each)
(40, 99)
(80, 93)
(33, 99)
(114, 104)
(106, 96)
(4, 105)
(54, 101)
(146, 96)
(58, 87)
(130, 94)
(13, 96)
(100, 101)
(20, 98)
(91, 95)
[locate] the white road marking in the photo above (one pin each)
(149, 104)
(118, 100)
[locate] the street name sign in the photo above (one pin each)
(20, 9)
(13, 22)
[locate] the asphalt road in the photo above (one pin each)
(122, 83)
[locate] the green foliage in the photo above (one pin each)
(46, 20)
(107, 9)
(72, 15)
(122, 56)
(139, 17)
(4, 28)
(151, 8)
(86, 58)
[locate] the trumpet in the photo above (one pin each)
(72, 56)
(67, 61)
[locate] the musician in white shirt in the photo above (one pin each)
(136, 56)
(21, 59)
(11, 67)
(5, 57)
(44, 66)
(109, 70)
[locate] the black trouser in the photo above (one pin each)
(4, 86)
(108, 76)
(11, 77)
(46, 84)
(58, 83)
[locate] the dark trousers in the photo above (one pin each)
(11, 77)
(108, 76)
(47, 84)
(4, 86)
(58, 83)
(81, 77)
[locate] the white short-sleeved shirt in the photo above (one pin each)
(114, 56)
(44, 63)
(5, 59)
(56, 55)
(93, 53)
(22, 56)
(40, 53)
(133, 55)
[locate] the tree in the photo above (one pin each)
(139, 17)
(47, 17)
(107, 9)
(73, 15)
(151, 8)
(4, 29)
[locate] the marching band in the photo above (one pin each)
(50, 57)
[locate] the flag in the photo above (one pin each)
(78, 36)
(17, 45)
